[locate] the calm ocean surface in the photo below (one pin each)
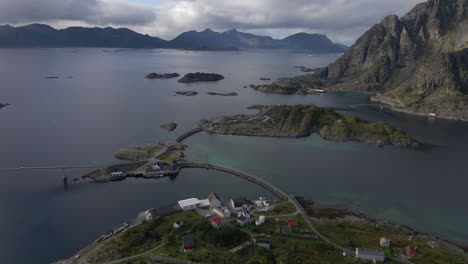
(108, 104)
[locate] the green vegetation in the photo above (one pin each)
(351, 128)
(440, 255)
(355, 234)
(144, 237)
(281, 208)
(301, 120)
(137, 153)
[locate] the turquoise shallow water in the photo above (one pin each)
(108, 104)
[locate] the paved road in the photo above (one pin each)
(270, 187)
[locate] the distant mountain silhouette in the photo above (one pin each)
(39, 35)
(236, 39)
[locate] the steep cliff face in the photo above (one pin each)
(429, 28)
(417, 63)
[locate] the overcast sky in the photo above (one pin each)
(341, 20)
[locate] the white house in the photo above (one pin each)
(204, 203)
(370, 254)
(178, 224)
(189, 204)
(214, 200)
(384, 242)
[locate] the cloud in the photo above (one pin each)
(342, 20)
(97, 12)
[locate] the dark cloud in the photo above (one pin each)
(98, 12)
(342, 20)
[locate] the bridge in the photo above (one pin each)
(188, 134)
(359, 106)
(54, 167)
(247, 176)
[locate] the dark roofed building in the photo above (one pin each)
(264, 243)
(162, 212)
(240, 203)
(370, 254)
(189, 243)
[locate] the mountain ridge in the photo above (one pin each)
(42, 35)
(417, 63)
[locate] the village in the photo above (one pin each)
(263, 221)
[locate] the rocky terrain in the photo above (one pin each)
(201, 77)
(3, 105)
(417, 63)
(187, 93)
(302, 120)
(170, 126)
(154, 75)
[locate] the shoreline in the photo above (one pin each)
(352, 216)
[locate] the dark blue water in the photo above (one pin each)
(108, 104)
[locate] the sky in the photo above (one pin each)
(341, 20)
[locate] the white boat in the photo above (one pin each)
(317, 90)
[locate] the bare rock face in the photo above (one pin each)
(201, 77)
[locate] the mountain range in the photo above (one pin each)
(39, 35)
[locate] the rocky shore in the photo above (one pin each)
(201, 77)
(154, 75)
(302, 120)
(348, 221)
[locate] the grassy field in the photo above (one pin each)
(143, 237)
(281, 208)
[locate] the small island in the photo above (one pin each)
(154, 75)
(3, 105)
(201, 77)
(296, 121)
(224, 94)
(187, 93)
(170, 126)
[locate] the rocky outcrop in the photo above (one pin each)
(302, 120)
(201, 77)
(170, 126)
(187, 93)
(416, 62)
(154, 75)
(3, 105)
(223, 94)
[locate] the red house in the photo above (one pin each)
(189, 244)
(292, 223)
(410, 251)
(216, 222)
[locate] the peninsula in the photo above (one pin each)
(301, 120)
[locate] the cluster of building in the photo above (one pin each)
(220, 213)
(161, 168)
(377, 255)
(158, 169)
